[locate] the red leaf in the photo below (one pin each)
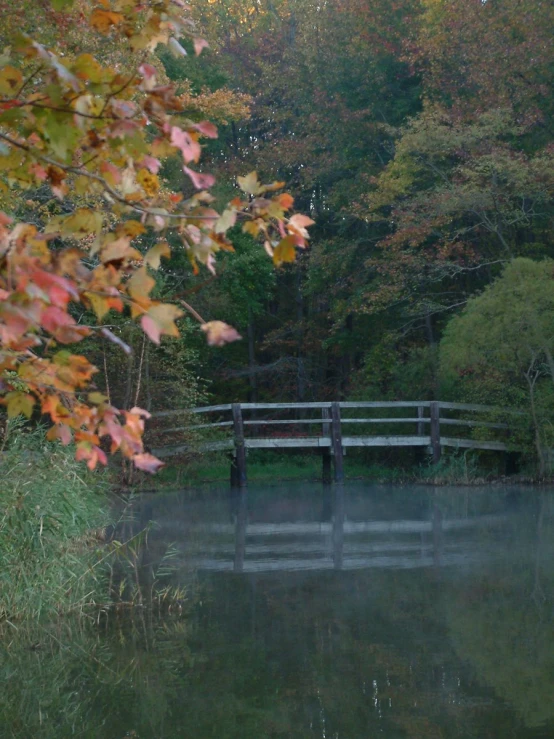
(199, 180)
(151, 328)
(190, 149)
(199, 44)
(147, 462)
(206, 129)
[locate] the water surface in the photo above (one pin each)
(318, 612)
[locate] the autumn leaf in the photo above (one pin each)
(219, 333)
(199, 44)
(19, 404)
(103, 20)
(226, 221)
(200, 180)
(284, 251)
(147, 462)
(250, 184)
(10, 80)
(160, 319)
(139, 288)
(188, 146)
(154, 255)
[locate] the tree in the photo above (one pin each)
(508, 331)
(93, 129)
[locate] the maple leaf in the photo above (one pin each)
(159, 320)
(147, 462)
(103, 20)
(284, 251)
(219, 333)
(250, 184)
(154, 255)
(19, 403)
(188, 146)
(199, 44)
(200, 180)
(226, 221)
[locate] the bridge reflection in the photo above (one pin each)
(243, 545)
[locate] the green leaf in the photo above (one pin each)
(61, 4)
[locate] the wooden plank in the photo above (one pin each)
(336, 441)
(173, 451)
(477, 408)
(481, 424)
(281, 421)
(270, 406)
(385, 404)
(497, 446)
(195, 427)
(204, 409)
(435, 430)
(287, 443)
(385, 420)
(212, 408)
(386, 441)
(240, 450)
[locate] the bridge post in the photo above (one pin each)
(240, 450)
(435, 431)
(336, 440)
(420, 424)
(326, 450)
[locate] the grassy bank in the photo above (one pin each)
(455, 468)
(52, 516)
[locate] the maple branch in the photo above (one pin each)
(192, 311)
(96, 178)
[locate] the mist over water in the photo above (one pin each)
(340, 611)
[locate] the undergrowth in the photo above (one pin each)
(56, 557)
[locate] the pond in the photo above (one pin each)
(316, 611)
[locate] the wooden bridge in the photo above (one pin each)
(322, 426)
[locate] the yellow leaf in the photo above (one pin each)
(139, 287)
(226, 221)
(160, 319)
(80, 224)
(19, 404)
(103, 20)
(154, 255)
(131, 229)
(284, 251)
(11, 80)
(119, 249)
(250, 184)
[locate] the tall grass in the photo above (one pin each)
(52, 514)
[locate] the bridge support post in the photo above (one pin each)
(240, 450)
(435, 431)
(336, 441)
(420, 423)
(326, 450)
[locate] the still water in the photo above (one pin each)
(338, 613)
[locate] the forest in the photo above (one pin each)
(417, 136)
(326, 202)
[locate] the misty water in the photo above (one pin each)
(316, 611)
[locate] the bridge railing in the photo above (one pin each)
(332, 426)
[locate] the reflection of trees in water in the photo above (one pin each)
(294, 655)
(503, 622)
